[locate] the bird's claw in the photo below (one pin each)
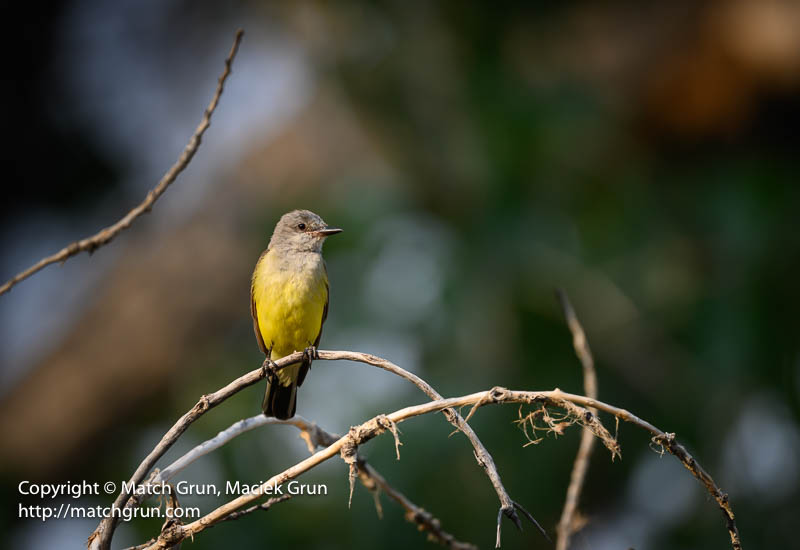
(269, 368)
(309, 354)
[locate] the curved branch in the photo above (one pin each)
(104, 236)
(496, 395)
(507, 505)
(101, 537)
(314, 437)
(574, 404)
(234, 430)
(209, 401)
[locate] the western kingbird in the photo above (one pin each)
(289, 303)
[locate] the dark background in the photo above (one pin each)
(643, 156)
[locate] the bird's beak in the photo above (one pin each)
(328, 231)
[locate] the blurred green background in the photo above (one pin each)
(643, 156)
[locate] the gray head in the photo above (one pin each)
(301, 231)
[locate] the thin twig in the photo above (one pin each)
(234, 516)
(482, 456)
(556, 398)
(425, 520)
(532, 519)
(236, 429)
(104, 236)
(315, 437)
(569, 522)
(374, 481)
(679, 451)
(101, 537)
(263, 506)
(359, 435)
(208, 401)
(205, 403)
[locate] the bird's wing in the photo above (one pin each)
(301, 375)
(324, 311)
(253, 311)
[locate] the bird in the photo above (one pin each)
(289, 296)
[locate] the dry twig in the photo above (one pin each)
(101, 537)
(667, 440)
(104, 236)
(236, 515)
(573, 404)
(422, 518)
(569, 522)
(263, 506)
(508, 506)
(375, 482)
(206, 402)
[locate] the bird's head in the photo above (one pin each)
(301, 230)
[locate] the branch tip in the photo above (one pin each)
(105, 235)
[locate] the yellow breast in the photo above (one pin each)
(290, 297)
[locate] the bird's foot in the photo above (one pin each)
(309, 354)
(269, 369)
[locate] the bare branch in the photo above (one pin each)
(358, 435)
(355, 437)
(482, 456)
(668, 441)
(575, 405)
(104, 236)
(424, 520)
(375, 482)
(236, 515)
(569, 522)
(581, 345)
(263, 506)
(567, 525)
(216, 442)
(101, 537)
(314, 437)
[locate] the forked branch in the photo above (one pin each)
(575, 406)
(209, 401)
(315, 437)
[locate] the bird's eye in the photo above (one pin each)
(301, 226)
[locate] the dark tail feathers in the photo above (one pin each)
(280, 401)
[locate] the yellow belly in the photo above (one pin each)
(289, 306)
